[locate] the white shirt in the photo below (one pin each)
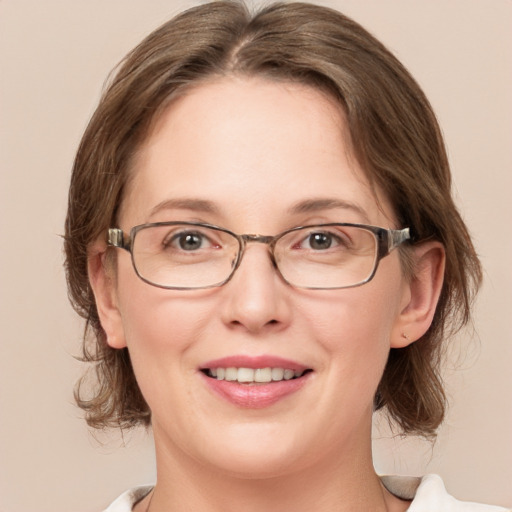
(428, 494)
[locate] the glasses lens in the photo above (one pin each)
(327, 256)
(183, 255)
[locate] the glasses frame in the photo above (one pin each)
(387, 240)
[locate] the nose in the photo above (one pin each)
(257, 299)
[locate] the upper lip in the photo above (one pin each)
(262, 361)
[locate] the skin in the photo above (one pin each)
(254, 149)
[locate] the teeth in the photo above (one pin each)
(231, 374)
(277, 373)
(263, 375)
(245, 375)
(289, 374)
(250, 375)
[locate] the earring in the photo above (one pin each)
(406, 336)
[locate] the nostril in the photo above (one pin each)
(270, 322)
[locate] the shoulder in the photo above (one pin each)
(128, 499)
(428, 493)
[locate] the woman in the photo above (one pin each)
(261, 237)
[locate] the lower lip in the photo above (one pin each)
(255, 396)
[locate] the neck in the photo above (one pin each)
(344, 483)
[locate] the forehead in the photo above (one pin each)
(248, 144)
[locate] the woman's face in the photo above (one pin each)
(256, 157)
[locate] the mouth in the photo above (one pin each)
(254, 376)
(255, 382)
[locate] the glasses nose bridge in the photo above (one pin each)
(267, 240)
(259, 239)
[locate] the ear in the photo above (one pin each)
(103, 283)
(421, 294)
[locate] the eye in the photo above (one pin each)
(188, 241)
(320, 241)
(323, 241)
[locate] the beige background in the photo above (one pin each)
(54, 56)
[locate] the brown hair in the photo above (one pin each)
(395, 137)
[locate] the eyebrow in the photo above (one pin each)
(198, 205)
(301, 207)
(315, 205)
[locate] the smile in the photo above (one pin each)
(254, 382)
(254, 375)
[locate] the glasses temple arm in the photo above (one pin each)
(397, 237)
(115, 238)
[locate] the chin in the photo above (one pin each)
(251, 467)
(256, 451)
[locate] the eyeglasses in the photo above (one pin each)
(193, 255)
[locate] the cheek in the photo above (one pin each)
(356, 319)
(163, 325)
(354, 328)
(160, 329)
